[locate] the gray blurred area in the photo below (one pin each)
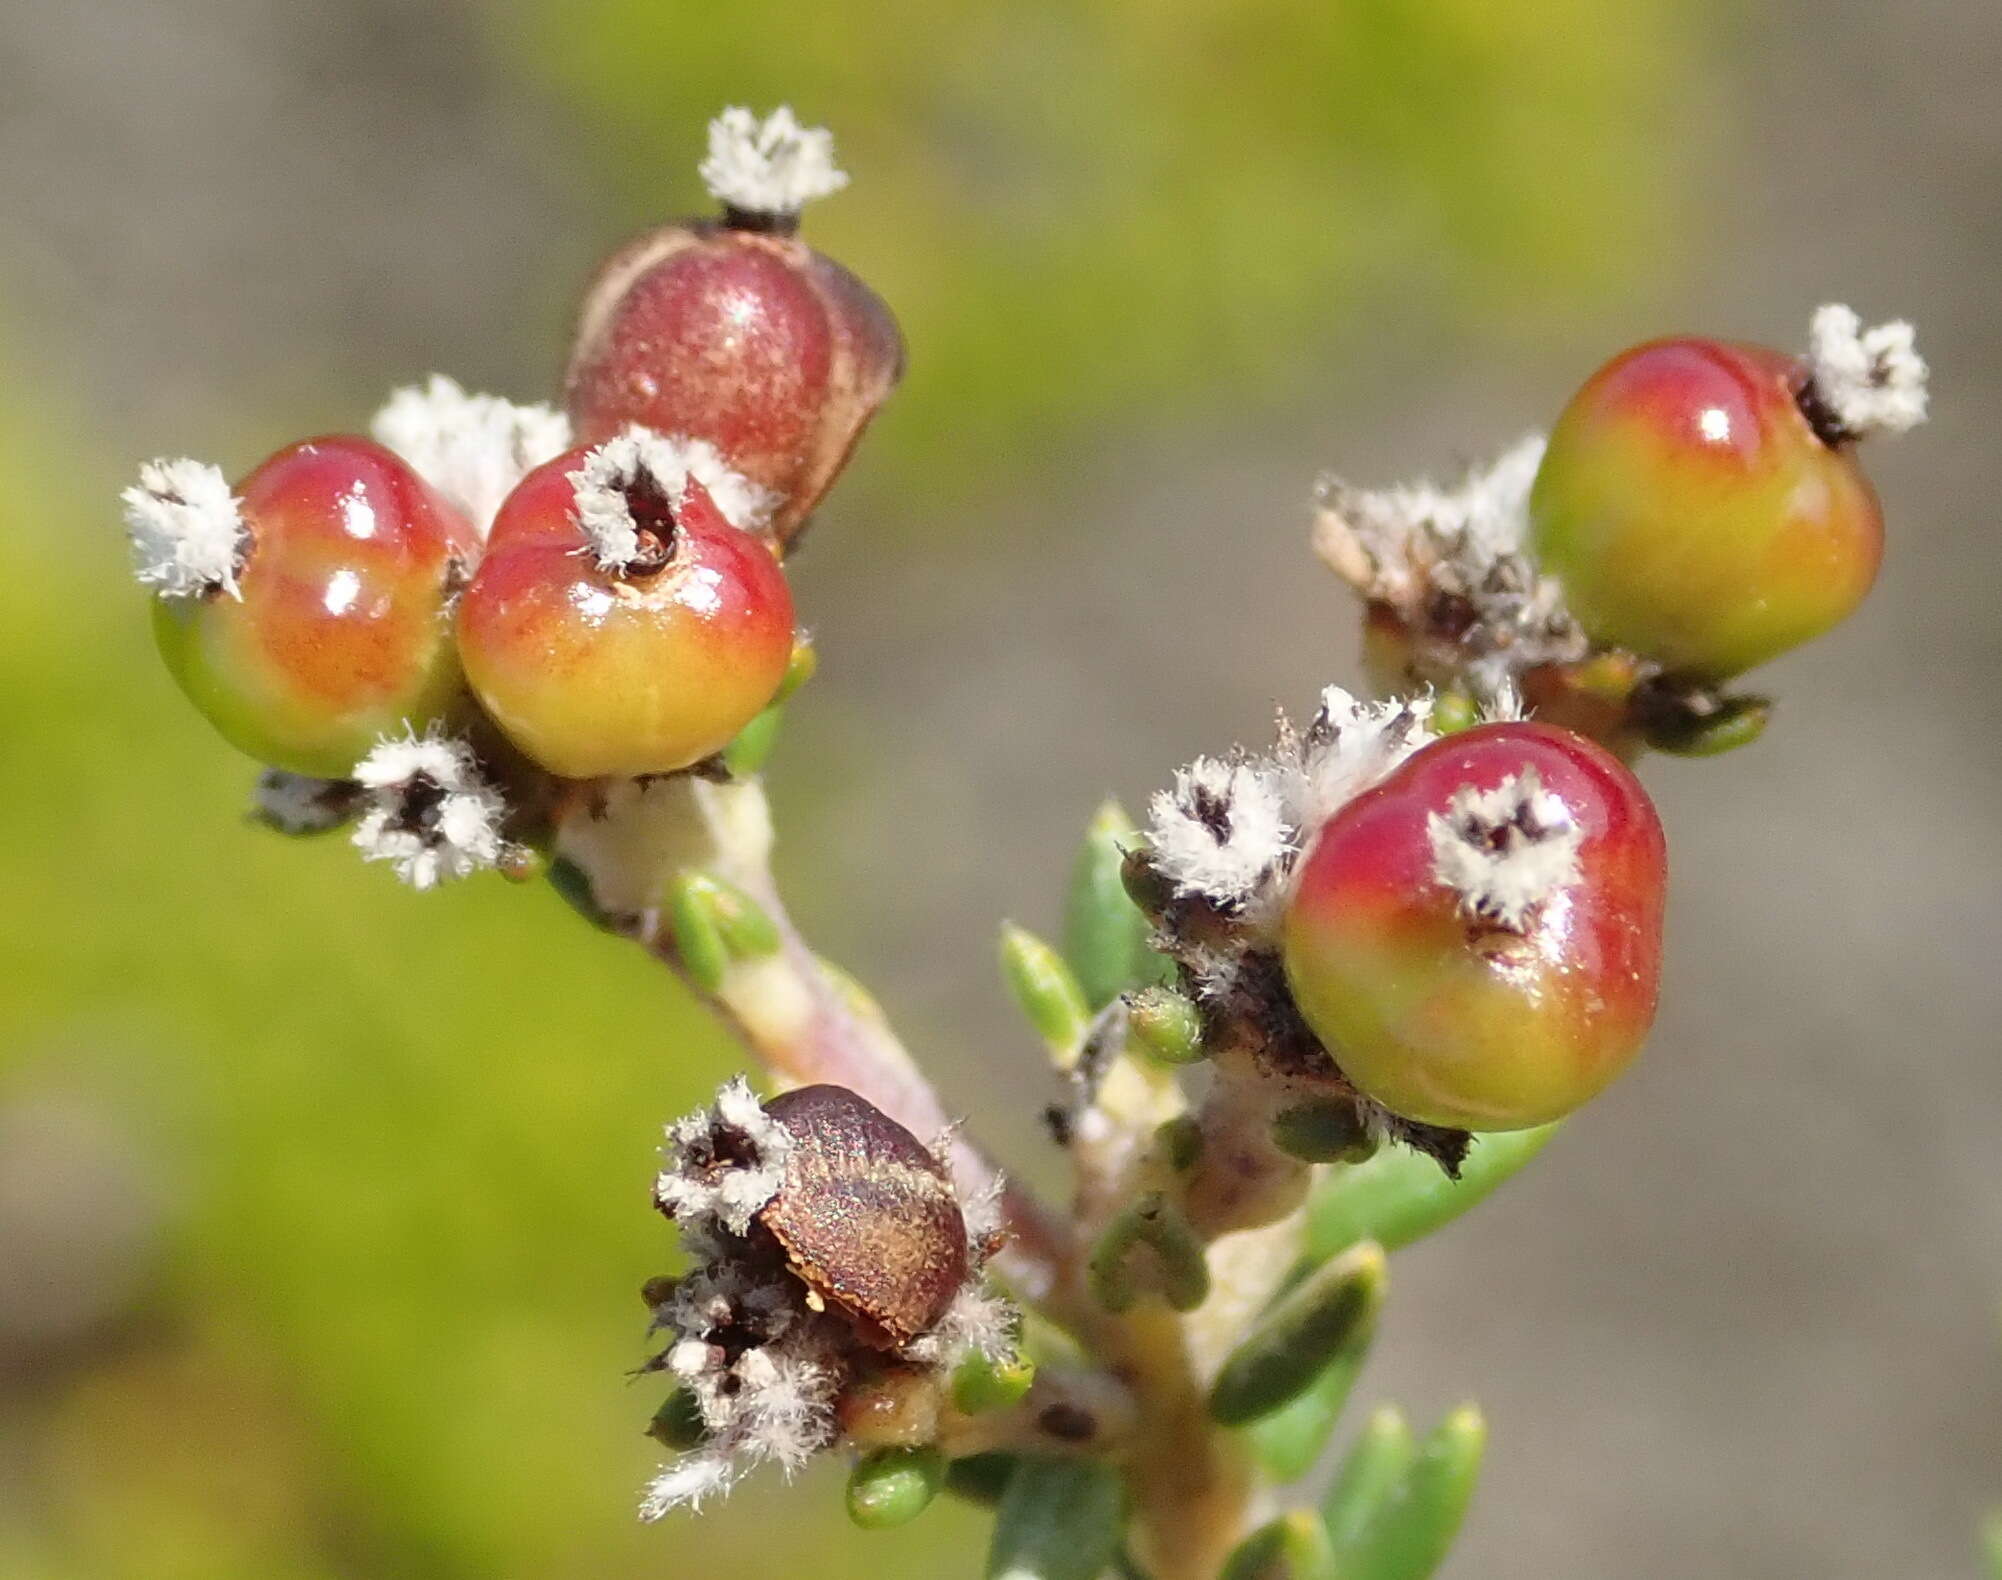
(1742, 1319)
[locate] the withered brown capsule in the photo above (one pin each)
(866, 1215)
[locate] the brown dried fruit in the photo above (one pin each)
(866, 1215)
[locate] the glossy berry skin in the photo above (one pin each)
(1457, 1021)
(342, 634)
(751, 340)
(593, 672)
(1694, 515)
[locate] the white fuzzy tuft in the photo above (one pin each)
(722, 1164)
(187, 529)
(1222, 831)
(472, 448)
(1351, 746)
(1455, 559)
(641, 456)
(298, 804)
(1871, 380)
(773, 166)
(429, 810)
(1507, 851)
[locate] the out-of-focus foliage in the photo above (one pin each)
(1077, 206)
(398, 1145)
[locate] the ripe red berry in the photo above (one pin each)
(306, 615)
(1694, 513)
(619, 624)
(736, 332)
(1477, 940)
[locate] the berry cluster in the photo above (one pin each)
(1697, 510)
(511, 637)
(438, 628)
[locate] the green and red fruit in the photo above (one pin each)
(619, 624)
(306, 615)
(1696, 515)
(1477, 940)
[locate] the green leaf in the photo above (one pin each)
(980, 1478)
(1060, 1519)
(1289, 1441)
(1105, 936)
(1045, 989)
(1399, 1196)
(1991, 1542)
(1374, 1465)
(893, 1486)
(755, 743)
(1157, 1223)
(1327, 1315)
(1293, 1547)
(981, 1384)
(677, 1424)
(715, 923)
(1411, 1529)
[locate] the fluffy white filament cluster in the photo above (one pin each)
(764, 1371)
(641, 457)
(720, 1165)
(429, 811)
(1231, 828)
(187, 530)
(773, 166)
(472, 448)
(1505, 852)
(1872, 380)
(1455, 554)
(300, 804)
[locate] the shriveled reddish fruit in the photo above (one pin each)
(619, 624)
(1694, 513)
(1477, 940)
(745, 337)
(336, 631)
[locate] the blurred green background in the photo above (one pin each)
(323, 1205)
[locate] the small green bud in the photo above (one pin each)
(677, 1424)
(800, 667)
(1293, 1547)
(1328, 1313)
(893, 1486)
(1155, 1222)
(1991, 1542)
(1452, 712)
(1047, 992)
(1374, 1465)
(981, 1384)
(1179, 1142)
(714, 924)
(1326, 1130)
(1706, 726)
(980, 1478)
(1164, 1025)
(1412, 1528)
(1105, 936)
(1060, 1519)
(1400, 1196)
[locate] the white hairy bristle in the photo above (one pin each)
(299, 804)
(770, 166)
(1222, 831)
(666, 464)
(1506, 852)
(430, 812)
(700, 1192)
(1871, 380)
(1351, 746)
(473, 449)
(187, 529)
